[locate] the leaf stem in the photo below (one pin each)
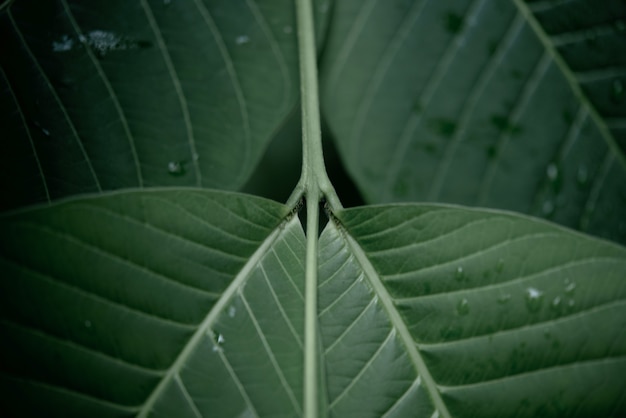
(315, 185)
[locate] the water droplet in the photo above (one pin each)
(534, 298)
(570, 288)
(504, 298)
(195, 156)
(88, 324)
(287, 29)
(617, 91)
(459, 274)
(220, 339)
(63, 44)
(232, 311)
(548, 207)
(571, 303)
(556, 303)
(242, 39)
(462, 308)
(552, 171)
(175, 168)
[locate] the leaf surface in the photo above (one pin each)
(501, 104)
(191, 303)
(109, 95)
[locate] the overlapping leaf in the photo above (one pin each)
(107, 95)
(191, 303)
(472, 102)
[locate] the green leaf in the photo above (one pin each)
(108, 95)
(493, 103)
(190, 303)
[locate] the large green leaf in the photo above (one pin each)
(190, 303)
(113, 94)
(492, 103)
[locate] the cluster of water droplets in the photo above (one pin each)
(100, 41)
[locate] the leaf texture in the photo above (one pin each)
(500, 315)
(131, 303)
(501, 104)
(190, 303)
(108, 95)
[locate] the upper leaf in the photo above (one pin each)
(108, 95)
(474, 102)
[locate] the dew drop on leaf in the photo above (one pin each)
(552, 171)
(570, 288)
(462, 308)
(534, 298)
(175, 168)
(556, 303)
(548, 207)
(459, 274)
(242, 39)
(232, 311)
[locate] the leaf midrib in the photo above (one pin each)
(206, 324)
(397, 322)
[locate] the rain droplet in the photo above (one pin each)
(65, 43)
(175, 168)
(552, 171)
(504, 298)
(232, 311)
(548, 207)
(242, 39)
(462, 308)
(617, 91)
(195, 156)
(459, 274)
(582, 176)
(220, 339)
(534, 298)
(88, 324)
(556, 304)
(570, 288)
(287, 29)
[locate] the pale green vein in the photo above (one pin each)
(538, 371)
(470, 105)
(514, 331)
(236, 381)
(596, 189)
(443, 65)
(109, 88)
(73, 345)
(571, 79)
(369, 362)
(125, 409)
(383, 66)
(30, 138)
(95, 296)
(187, 396)
(117, 258)
(341, 296)
(283, 268)
(232, 74)
(522, 102)
(410, 390)
(272, 358)
(349, 43)
(182, 100)
(370, 305)
(57, 99)
(280, 59)
(398, 323)
(208, 321)
(280, 307)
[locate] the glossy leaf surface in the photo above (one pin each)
(492, 103)
(190, 303)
